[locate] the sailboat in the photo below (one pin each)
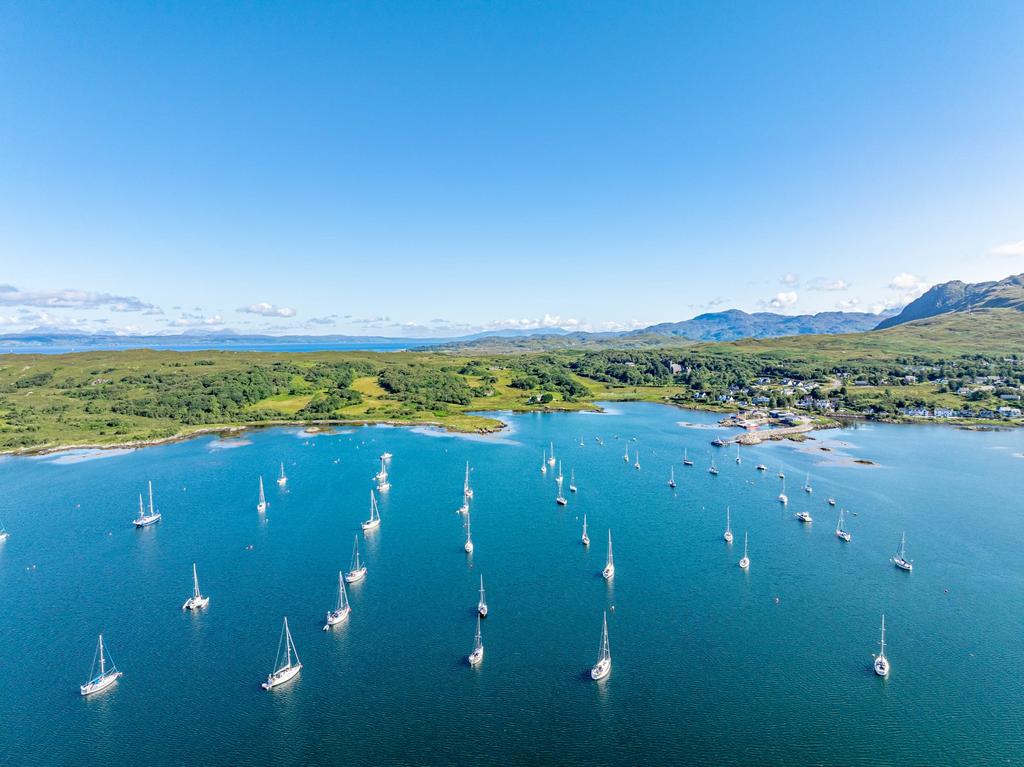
(783, 498)
(672, 476)
(572, 480)
(738, 459)
(712, 469)
(358, 569)
(481, 606)
(551, 455)
(282, 479)
(581, 440)
(636, 463)
(285, 669)
(261, 504)
(807, 485)
(342, 609)
(686, 459)
(727, 535)
(900, 557)
(106, 676)
(561, 477)
(559, 498)
(882, 662)
(544, 462)
(603, 667)
(197, 601)
(625, 456)
(469, 538)
(477, 655)
(4, 535)
(745, 561)
(841, 532)
(467, 490)
(585, 540)
(609, 568)
(385, 456)
(144, 519)
(374, 521)
(383, 485)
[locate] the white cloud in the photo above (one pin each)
(905, 281)
(194, 321)
(783, 300)
(268, 310)
(790, 279)
(72, 299)
(1009, 249)
(823, 284)
(848, 305)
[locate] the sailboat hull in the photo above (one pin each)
(337, 616)
(354, 576)
(881, 667)
(146, 521)
(195, 603)
(281, 677)
(476, 657)
(608, 573)
(100, 684)
(601, 670)
(372, 524)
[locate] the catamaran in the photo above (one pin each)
(285, 669)
(261, 504)
(481, 606)
(144, 519)
(807, 485)
(900, 557)
(282, 479)
(609, 568)
(745, 561)
(358, 570)
(342, 608)
(572, 480)
(783, 498)
(551, 455)
(712, 469)
(477, 655)
(106, 676)
(467, 490)
(686, 459)
(585, 540)
(727, 535)
(881, 662)
(469, 538)
(672, 476)
(603, 667)
(197, 601)
(374, 521)
(841, 532)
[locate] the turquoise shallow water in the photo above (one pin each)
(711, 664)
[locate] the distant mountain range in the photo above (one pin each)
(945, 299)
(957, 296)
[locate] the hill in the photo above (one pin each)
(957, 296)
(734, 324)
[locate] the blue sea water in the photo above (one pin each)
(712, 665)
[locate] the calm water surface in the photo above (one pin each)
(711, 664)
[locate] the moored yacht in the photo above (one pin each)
(468, 546)
(358, 570)
(551, 455)
(712, 469)
(783, 498)
(841, 532)
(831, 501)
(261, 504)
(900, 557)
(881, 661)
(804, 516)
(807, 485)
(572, 480)
(762, 467)
(585, 539)
(672, 476)
(102, 677)
(146, 519)
(727, 535)
(197, 601)
(374, 521)
(285, 668)
(467, 489)
(282, 478)
(481, 606)
(686, 459)
(609, 567)
(477, 655)
(603, 667)
(342, 609)
(745, 560)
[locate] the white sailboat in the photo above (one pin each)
(603, 667)
(712, 469)
(636, 463)
(105, 675)
(285, 668)
(342, 609)
(358, 570)
(581, 440)
(609, 568)
(551, 455)
(481, 606)
(572, 480)
(383, 485)
(197, 601)
(374, 521)
(783, 498)
(559, 478)
(144, 519)
(544, 462)
(282, 478)
(807, 485)
(738, 459)
(585, 540)
(385, 456)
(841, 532)
(745, 560)
(261, 504)
(727, 535)
(559, 498)
(477, 655)
(672, 476)
(469, 537)
(686, 458)
(625, 456)
(4, 535)
(900, 557)
(467, 490)
(882, 662)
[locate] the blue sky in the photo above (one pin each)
(434, 168)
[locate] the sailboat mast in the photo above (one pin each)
(103, 662)
(151, 498)
(195, 581)
(609, 547)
